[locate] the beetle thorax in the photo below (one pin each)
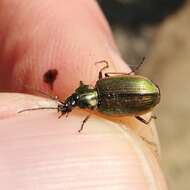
(87, 96)
(88, 99)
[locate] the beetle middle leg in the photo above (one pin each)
(108, 74)
(145, 121)
(124, 73)
(84, 121)
(103, 68)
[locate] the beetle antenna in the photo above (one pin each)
(33, 109)
(39, 108)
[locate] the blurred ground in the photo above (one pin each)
(167, 48)
(169, 64)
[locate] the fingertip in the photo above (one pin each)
(57, 41)
(114, 156)
(12, 103)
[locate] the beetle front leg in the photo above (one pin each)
(61, 115)
(84, 121)
(145, 121)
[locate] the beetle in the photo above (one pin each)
(115, 94)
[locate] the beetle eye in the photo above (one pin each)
(73, 103)
(76, 97)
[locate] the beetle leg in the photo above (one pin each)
(84, 121)
(145, 121)
(61, 115)
(138, 66)
(103, 68)
(147, 141)
(67, 114)
(116, 73)
(81, 83)
(122, 73)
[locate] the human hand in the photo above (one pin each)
(39, 151)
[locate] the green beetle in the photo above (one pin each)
(120, 95)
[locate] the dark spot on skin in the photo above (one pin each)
(50, 76)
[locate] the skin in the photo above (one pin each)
(39, 151)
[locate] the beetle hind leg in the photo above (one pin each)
(145, 121)
(138, 66)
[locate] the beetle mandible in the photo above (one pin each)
(115, 94)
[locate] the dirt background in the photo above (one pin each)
(167, 49)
